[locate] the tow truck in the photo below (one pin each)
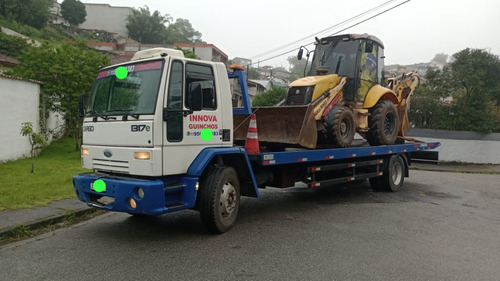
(158, 136)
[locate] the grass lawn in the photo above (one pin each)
(52, 180)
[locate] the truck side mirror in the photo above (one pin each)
(81, 105)
(299, 55)
(195, 96)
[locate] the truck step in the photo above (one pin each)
(343, 180)
(325, 168)
(175, 205)
(174, 188)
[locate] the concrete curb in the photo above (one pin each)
(9, 232)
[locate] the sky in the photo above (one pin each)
(412, 33)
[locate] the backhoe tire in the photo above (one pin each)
(340, 127)
(383, 123)
(219, 199)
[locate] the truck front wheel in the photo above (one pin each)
(393, 177)
(219, 199)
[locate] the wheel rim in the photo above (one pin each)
(345, 128)
(389, 124)
(228, 200)
(397, 173)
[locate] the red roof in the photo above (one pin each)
(22, 79)
(8, 61)
(121, 57)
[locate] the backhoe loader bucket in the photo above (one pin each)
(281, 125)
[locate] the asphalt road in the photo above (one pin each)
(441, 226)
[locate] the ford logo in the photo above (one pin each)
(108, 153)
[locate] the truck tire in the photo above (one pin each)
(340, 127)
(219, 199)
(393, 177)
(383, 123)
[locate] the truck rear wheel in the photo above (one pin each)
(393, 177)
(383, 123)
(340, 127)
(219, 199)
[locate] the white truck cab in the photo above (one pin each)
(140, 120)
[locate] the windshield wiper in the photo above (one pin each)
(98, 114)
(330, 49)
(125, 116)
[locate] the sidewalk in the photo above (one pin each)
(59, 210)
(38, 217)
(458, 168)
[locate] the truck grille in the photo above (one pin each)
(110, 165)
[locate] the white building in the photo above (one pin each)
(242, 61)
(55, 14)
(106, 17)
(21, 103)
(208, 52)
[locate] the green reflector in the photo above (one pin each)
(99, 186)
(121, 72)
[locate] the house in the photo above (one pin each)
(421, 68)
(242, 61)
(106, 17)
(205, 51)
(258, 86)
(55, 14)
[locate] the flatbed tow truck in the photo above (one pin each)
(159, 139)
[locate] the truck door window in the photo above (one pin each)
(202, 74)
(174, 101)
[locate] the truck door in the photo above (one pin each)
(187, 133)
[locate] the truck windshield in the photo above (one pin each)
(127, 89)
(339, 56)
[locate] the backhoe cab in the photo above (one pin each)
(343, 88)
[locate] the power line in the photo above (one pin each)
(358, 23)
(324, 30)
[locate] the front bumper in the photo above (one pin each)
(161, 195)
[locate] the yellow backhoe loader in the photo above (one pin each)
(341, 96)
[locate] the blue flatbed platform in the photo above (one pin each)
(301, 156)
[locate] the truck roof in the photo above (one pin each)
(355, 37)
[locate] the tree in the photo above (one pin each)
(67, 71)
(182, 32)
(269, 97)
(297, 67)
(73, 11)
(441, 58)
(253, 73)
(147, 28)
(188, 53)
(31, 12)
(36, 140)
(472, 80)
(12, 45)
(476, 74)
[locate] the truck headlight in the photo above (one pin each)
(142, 155)
(85, 151)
